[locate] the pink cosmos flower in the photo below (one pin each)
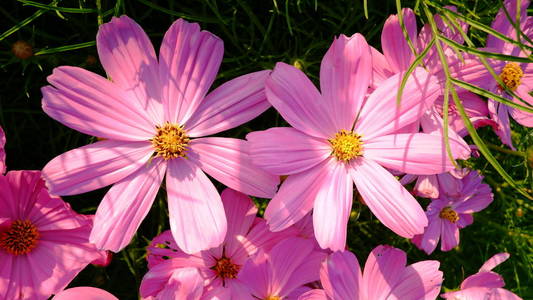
(340, 136)
(150, 116)
(385, 277)
(2, 151)
(84, 293)
(44, 244)
(485, 284)
(518, 77)
(447, 214)
(429, 186)
(215, 269)
(282, 272)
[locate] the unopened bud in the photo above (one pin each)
(22, 49)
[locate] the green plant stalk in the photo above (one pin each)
(25, 22)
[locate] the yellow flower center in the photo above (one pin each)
(449, 214)
(20, 238)
(273, 298)
(171, 141)
(346, 145)
(511, 75)
(226, 269)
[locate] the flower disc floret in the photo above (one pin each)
(171, 141)
(20, 238)
(226, 269)
(511, 75)
(449, 214)
(346, 145)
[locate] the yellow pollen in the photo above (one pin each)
(20, 238)
(226, 269)
(511, 75)
(273, 298)
(449, 214)
(346, 145)
(171, 141)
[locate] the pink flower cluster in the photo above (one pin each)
(155, 117)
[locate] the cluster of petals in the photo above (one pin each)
(44, 244)
(385, 277)
(485, 284)
(84, 293)
(459, 198)
(150, 101)
(232, 270)
(318, 179)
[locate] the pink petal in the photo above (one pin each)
(228, 161)
(84, 293)
(341, 276)
(20, 190)
(184, 284)
(345, 74)
(296, 196)
(197, 217)
(126, 205)
(483, 279)
(230, 105)
(501, 24)
(421, 280)
(503, 294)
(427, 186)
(298, 101)
(475, 203)
(388, 199)
(381, 70)
(416, 153)
(449, 235)
(2, 151)
(89, 103)
(430, 238)
(188, 64)
(495, 260)
(286, 151)
(464, 220)
(333, 202)
(381, 273)
(500, 114)
(381, 116)
(395, 46)
(468, 294)
(128, 57)
(306, 273)
(314, 295)
(522, 117)
(94, 166)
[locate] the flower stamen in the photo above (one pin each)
(225, 269)
(171, 141)
(511, 75)
(449, 214)
(20, 238)
(346, 145)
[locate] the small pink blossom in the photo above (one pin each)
(152, 115)
(385, 277)
(341, 136)
(447, 214)
(44, 244)
(84, 293)
(485, 284)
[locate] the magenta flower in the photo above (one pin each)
(84, 293)
(341, 136)
(217, 269)
(150, 116)
(448, 214)
(2, 151)
(282, 272)
(44, 244)
(385, 277)
(485, 284)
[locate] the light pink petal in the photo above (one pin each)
(381, 70)
(382, 271)
(468, 294)
(388, 199)
(464, 220)
(188, 64)
(94, 166)
(93, 105)
(333, 202)
(381, 115)
(230, 105)
(196, 213)
(469, 68)
(240, 213)
(286, 151)
(395, 46)
(523, 117)
(501, 24)
(257, 274)
(2, 151)
(306, 273)
(421, 280)
(184, 284)
(450, 31)
(128, 58)
(298, 101)
(84, 293)
(450, 185)
(345, 74)
(314, 295)
(500, 114)
(483, 279)
(126, 205)
(20, 190)
(415, 153)
(296, 196)
(427, 186)
(449, 235)
(429, 240)
(495, 260)
(503, 294)
(228, 161)
(341, 276)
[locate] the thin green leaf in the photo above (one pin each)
(178, 14)
(25, 22)
(66, 48)
(365, 7)
(56, 8)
